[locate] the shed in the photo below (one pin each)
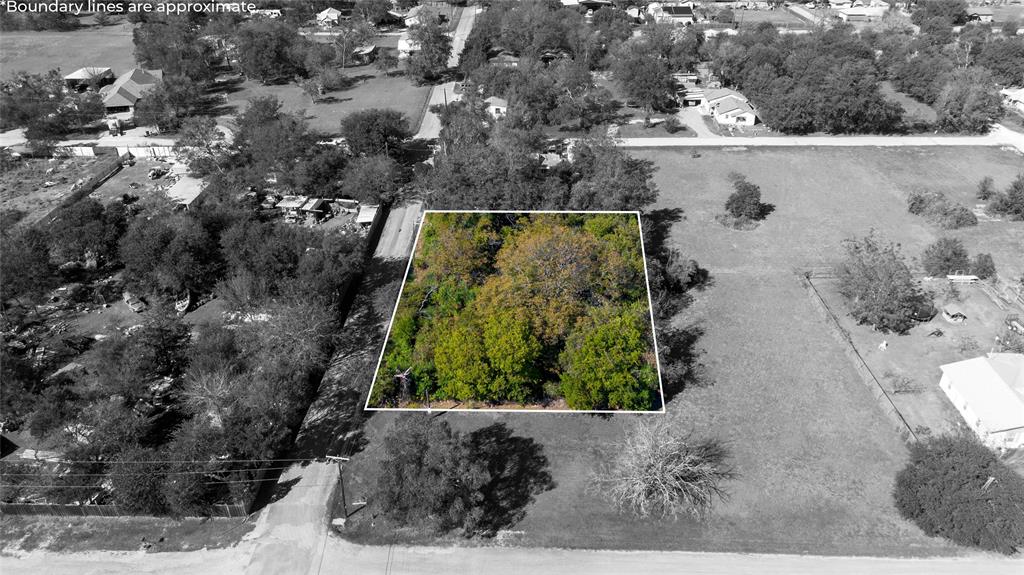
(981, 14)
(989, 394)
(366, 215)
(496, 107)
(83, 78)
(292, 203)
(185, 191)
(328, 17)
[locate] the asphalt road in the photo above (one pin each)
(430, 127)
(397, 236)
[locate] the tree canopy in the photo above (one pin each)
(516, 308)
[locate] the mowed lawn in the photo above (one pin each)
(816, 458)
(373, 89)
(37, 52)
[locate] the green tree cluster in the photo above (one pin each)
(954, 487)
(517, 308)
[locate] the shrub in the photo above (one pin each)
(672, 125)
(429, 477)
(956, 488)
(659, 472)
(945, 256)
(983, 266)
(939, 210)
(1011, 202)
(986, 187)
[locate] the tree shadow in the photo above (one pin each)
(519, 471)
(658, 226)
(764, 210)
(679, 357)
(282, 489)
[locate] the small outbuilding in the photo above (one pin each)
(989, 394)
(90, 77)
(496, 107)
(981, 14)
(328, 17)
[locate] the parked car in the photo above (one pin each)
(134, 303)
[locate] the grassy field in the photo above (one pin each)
(37, 52)
(911, 107)
(780, 17)
(372, 90)
(816, 458)
(76, 534)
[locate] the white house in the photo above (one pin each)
(496, 107)
(981, 14)
(674, 13)
(728, 107)
(414, 17)
(1013, 98)
(989, 394)
(328, 17)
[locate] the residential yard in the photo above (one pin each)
(372, 89)
(815, 456)
(37, 186)
(77, 534)
(780, 17)
(37, 52)
(121, 183)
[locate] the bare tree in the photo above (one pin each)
(664, 473)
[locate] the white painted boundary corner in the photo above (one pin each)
(405, 278)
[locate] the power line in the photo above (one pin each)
(141, 461)
(3, 474)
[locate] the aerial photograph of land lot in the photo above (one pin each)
(558, 302)
(517, 286)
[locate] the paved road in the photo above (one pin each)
(999, 136)
(430, 127)
(345, 558)
(397, 236)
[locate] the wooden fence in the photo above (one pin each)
(867, 377)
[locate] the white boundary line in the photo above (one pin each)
(408, 268)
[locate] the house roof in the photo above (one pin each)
(316, 205)
(678, 11)
(980, 11)
(366, 214)
(497, 102)
(292, 202)
(185, 190)
(715, 94)
(993, 387)
(88, 73)
(733, 106)
(328, 13)
(129, 87)
(364, 50)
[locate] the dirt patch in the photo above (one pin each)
(36, 187)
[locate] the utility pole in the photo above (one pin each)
(341, 480)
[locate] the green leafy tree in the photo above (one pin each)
(201, 145)
(983, 266)
(606, 363)
(372, 179)
(173, 46)
(878, 287)
(270, 51)
(643, 75)
(745, 202)
(986, 188)
(375, 131)
(945, 256)
(430, 60)
(168, 104)
(25, 263)
(349, 35)
(512, 351)
(954, 487)
(430, 477)
(969, 102)
(461, 362)
(136, 487)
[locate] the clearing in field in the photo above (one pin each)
(523, 310)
